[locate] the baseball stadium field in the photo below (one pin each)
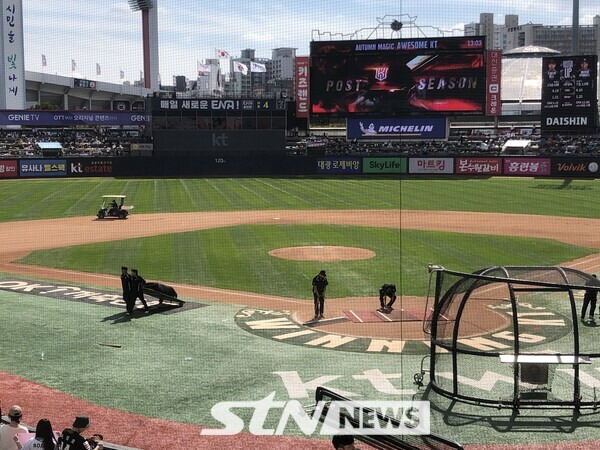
(242, 253)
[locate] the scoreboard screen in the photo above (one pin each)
(398, 77)
(569, 93)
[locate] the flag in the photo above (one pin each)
(219, 82)
(257, 67)
(98, 71)
(73, 66)
(121, 75)
(223, 53)
(141, 76)
(44, 62)
(239, 67)
(203, 69)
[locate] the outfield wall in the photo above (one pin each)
(257, 163)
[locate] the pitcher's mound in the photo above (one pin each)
(322, 253)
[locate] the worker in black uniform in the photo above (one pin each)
(137, 283)
(387, 290)
(113, 207)
(319, 284)
(126, 284)
(589, 298)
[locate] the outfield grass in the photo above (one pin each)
(38, 199)
(237, 257)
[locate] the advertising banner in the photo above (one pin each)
(62, 118)
(576, 167)
(569, 93)
(396, 128)
(8, 168)
(398, 76)
(493, 105)
(13, 55)
(220, 104)
(432, 166)
(43, 167)
(338, 165)
(527, 166)
(90, 167)
(384, 165)
(478, 166)
(302, 86)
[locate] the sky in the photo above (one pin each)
(108, 33)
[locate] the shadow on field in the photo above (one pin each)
(456, 414)
(566, 184)
(122, 317)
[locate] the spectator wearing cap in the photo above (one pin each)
(72, 439)
(319, 284)
(8, 432)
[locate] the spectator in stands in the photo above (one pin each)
(8, 432)
(343, 442)
(71, 438)
(44, 437)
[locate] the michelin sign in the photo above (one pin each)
(396, 128)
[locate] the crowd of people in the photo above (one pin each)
(115, 142)
(97, 141)
(15, 436)
(490, 145)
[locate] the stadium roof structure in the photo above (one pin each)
(530, 50)
(522, 79)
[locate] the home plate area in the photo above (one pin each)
(372, 316)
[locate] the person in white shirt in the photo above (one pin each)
(8, 432)
(44, 437)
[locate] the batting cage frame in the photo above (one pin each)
(509, 336)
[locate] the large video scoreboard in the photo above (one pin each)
(398, 77)
(569, 93)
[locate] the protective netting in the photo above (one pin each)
(512, 336)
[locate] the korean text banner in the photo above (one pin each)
(479, 166)
(396, 128)
(338, 165)
(395, 77)
(431, 165)
(302, 86)
(9, 168)
(527, 166)
(60, 118)
(43, 167)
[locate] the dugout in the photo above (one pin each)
(511, 337)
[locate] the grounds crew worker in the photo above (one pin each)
(319, 284)
(387, 290)
(137, 283)
(126, 284)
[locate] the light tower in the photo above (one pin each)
(149, 9)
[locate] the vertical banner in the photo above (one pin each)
(302, 87)
(493, 104)
(13, 54)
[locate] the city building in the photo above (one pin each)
(511, 35)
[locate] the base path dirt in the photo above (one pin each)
(17, 239)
